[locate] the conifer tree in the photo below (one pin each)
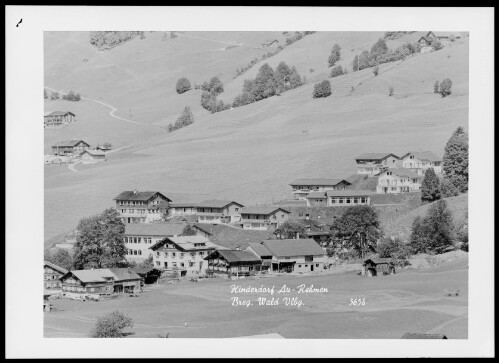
(455, 160)
(430, 187)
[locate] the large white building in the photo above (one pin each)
(141, 207)
(263, 217)
(398, 180)
(218, 211)
(371, 164)
(420, 161)
(302, 187)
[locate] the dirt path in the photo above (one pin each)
(211, 40)
(72, 166)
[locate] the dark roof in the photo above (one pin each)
(96, 275)
(404, 172)
(375, 156)
(293, 247)
(378, 260)
(349, 193)
(262, 210)
(140, 196)
(260, 249)
(60, 113)
(424, 155)
(235, 256)
(207, 228)
(154, 229)
(55, 267)
(122, 274)
(423, 336)
(183, 205)
(215, 203)
(69, 143)
(186, 243)
(325, 182)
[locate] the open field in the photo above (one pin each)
(250, 153)
(409, 301)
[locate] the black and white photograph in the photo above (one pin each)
(295, 180)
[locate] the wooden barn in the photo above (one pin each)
(233, 263)
(378, 267)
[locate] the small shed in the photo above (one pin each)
(378, 266)
(423, 336)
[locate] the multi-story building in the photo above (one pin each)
(51, 275)
(139, 237)
(398, 180)
(182, 209)
(58, 118)
(302, 187)
(141, 207)
(291, 255)
(338, 198)
(73, 147)
(420, 161)
(184, 254)
(230, 263)
(371, 164)
(263, 218)
(219, 211)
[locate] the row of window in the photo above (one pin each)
(348, 200)
(139, 211)
(181, 254)
(316, 265)
(175, 264)
(134, 252)
(137, 240)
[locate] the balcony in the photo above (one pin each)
(252, 220)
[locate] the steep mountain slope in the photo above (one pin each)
(251, 153)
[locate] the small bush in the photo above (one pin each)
(436, 45)
(71, 96)
(54, 95)
(337, 71)
(375, 71)
(183, 85)
(111, 325)
(322, 89)
(436, 87)
(445, 87)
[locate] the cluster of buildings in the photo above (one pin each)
(395, 174)
(58, 119)
(425, 42)
(69, 150)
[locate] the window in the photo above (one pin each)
(181, 264)
(158, 263)
(173, 254)
(157, 254)
(201, 253)
(182, 255)
(299, 265)
(134, 252)
(348, 200)
(237, 209)
(174, 264)
(166, 264)
(316, 265)
(140, 252)
(309, 258)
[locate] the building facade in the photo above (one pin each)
(419, 161)
(183, 254)
(73, 147)
(219, 211)
(398, 180)
(263, 218)
(230, 263)
(141, 207)
(52, 274)
(346, 198)
(58, 118)
(316, 199)
(182, 209)
(302, 187)
(371, 164)
(140, 237)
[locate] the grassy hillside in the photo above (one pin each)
(249, 153)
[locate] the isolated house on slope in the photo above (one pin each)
(74, 147)
(371, 164)
(219, 211)
(139, 237)
(398, 180)
(141, 207)
(419, 161)
(302, 187)
(92, 156)
(58, 118)
(263, 218)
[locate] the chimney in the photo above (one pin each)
(135, 191)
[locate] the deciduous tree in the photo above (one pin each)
(183, 85)
(111, 325)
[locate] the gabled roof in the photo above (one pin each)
(235, 256)
(324, 182)
(293, 247)
(316, 195)
(260, 249)
(349, 193)
(185, 243)
(402, 172)
(122, 274)
(423, 155)
(215, 203)
(69, 143)
(96, 275)
(154, 229)
(375, 156)
(60, 113)
(139, 196)
(262, 210)
(55, 267)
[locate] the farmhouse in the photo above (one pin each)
(58, 118)
(263, 218)
(74, 147)
(398, 180)
(292, 255)
(420, 161)
(51, 275)
(263, 253)
(100, 282)
(339, 198)
(184, 254)
(233, 263)
(219, 211)
(139, 237)
(92, 156)
(378, 266)
(302, 187)
(371, 164)
(182, 209)
(316, 230)
(425, 44)
(141, 207)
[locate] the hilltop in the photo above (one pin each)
(249, 153)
